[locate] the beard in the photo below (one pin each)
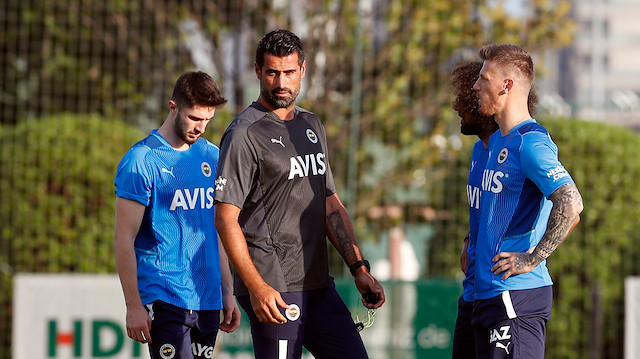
(181, 130)
(489, 106)
(278, 101)
(479, 126)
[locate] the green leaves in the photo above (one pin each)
(57, 189)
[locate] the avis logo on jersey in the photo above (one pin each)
(309, 164)
(192, 198)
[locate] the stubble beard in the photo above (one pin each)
(276, 101)
(181, 131)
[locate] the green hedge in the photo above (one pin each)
(590, 267)
(57, 208)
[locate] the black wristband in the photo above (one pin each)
(358, 264)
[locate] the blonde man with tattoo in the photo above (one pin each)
(529, 204)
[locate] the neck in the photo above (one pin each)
(169, 134)
(285, 114)
(511, 117)
(485, 139)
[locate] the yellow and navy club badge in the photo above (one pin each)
(502, 156)
(167, 351)
(293, 313)
(312, 136)
(206, 169)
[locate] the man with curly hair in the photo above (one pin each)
(472, 123)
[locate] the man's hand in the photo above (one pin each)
(265, 302)
(512, 263)
(367, 285)
(231, 312)
(138, 324)
(464, 256)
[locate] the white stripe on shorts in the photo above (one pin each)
(506, 299)
(282, 349)
(150, 308)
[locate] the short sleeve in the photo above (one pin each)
(539, 162)
(133, 180)
(236, 167)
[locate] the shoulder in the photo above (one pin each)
(207, 146)
(478, 146)
(536, 136)
(532, 127)
(308, 115)
(249, 116)
(139, 151)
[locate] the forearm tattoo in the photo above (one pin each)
(344, 243)
(567, 204)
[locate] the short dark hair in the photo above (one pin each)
(509, 56)
(196, 88)
(279, 43)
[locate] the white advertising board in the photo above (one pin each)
(70, 316)
(632, 318)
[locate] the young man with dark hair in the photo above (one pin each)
(174, 273)
(472, 123)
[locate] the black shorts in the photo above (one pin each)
(321, 323)
(178, 333)
(513, 324)
(464, 343)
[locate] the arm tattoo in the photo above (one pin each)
(343, 241)
(567, 205)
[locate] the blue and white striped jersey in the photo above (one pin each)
(522, 171)
(177, 244)
(474, 191)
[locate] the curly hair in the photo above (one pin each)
(462, 80)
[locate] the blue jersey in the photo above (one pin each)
(474, 191)
(522, 171)
(177, 244)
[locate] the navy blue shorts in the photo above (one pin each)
(182, 334)
(464, 343)
(321, 323)
(513, 324)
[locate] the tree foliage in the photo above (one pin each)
(377, 77)
(57, 208)
(406, 133)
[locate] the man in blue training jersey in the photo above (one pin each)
(174, 273)
(276, 204)
(529, 205)
(472, 122)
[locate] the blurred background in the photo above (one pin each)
(83, 80)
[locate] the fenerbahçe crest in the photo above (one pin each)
(502, 156)
(312, 136)
(167, 351)
(293, 313)
(206, 169)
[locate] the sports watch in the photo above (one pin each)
(358, 264)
